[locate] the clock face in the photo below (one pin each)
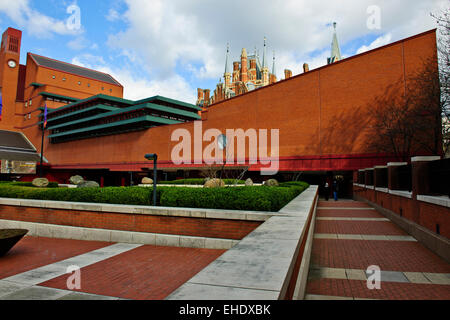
(11, 63)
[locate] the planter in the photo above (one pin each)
(9, 237)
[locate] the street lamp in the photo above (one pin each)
(154, 157)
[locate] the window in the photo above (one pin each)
(64, 79)
(89, 85)
(110, 90)
(53, 77)
(31, 102)
(103, 88)
(26, 104)
(79, 83)
(29, 116)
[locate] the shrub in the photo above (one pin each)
(248, 198)
(253, 198)
(198, 181)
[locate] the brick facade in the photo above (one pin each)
(198, 227)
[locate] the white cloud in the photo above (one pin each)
(175, 87)
(378, 42)
(162, 35)
(34, 22)
(112, 15)
(79, 43)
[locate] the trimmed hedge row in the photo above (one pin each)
(198, 181)
(248, 198)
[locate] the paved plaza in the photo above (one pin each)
(36, 267)
(349, 237)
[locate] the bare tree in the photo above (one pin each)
(415, 123)
(443, 22)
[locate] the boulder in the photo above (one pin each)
(249, 182)
(40, 182)
(88, 184)
(147, 180)
(214, 183)
(76, 180)
(271, 183)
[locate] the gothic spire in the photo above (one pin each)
(335, 50)
(273, 66)
(227, 60)
(264, 55)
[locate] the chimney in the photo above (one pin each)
(207, 93)
(287, 73)
(305, 67)
(199, 94)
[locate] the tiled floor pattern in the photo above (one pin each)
(349, 237)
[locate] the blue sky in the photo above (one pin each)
(173, 47)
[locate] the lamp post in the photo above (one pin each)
(154, 157)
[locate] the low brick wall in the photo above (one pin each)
(271, 263)
(425, 214)
(421, 216)
(201, 223)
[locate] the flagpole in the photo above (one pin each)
(44, 124)
(41, 169)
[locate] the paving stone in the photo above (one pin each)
(416, 277)
(438, 278)
(85, 296)
(192, 291)
(36, 293)
(323, 297)
(355, 274)
(7, 287)
(325, 236)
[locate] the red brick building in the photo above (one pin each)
(322, 114)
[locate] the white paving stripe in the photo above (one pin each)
(50, 271)
(351, 219)
(366, 237)
(342, 208)
(386, 276)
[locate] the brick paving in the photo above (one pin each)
(144, 273)
(34, 252)
(359, 227)
(388, 291)
(349, 213)
(390, 256)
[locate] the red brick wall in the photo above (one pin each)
(199, 227)
(321, 113)
(424, 214)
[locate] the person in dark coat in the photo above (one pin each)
(335, 190)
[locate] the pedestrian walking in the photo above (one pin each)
(335, 190)
(327, 190)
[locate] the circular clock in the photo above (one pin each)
(11, 63)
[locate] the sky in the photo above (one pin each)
(171, 48)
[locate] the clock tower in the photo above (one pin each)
(9, 75)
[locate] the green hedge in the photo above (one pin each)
(114, 195)
(198, 181)
(257, 198)
(248, 198)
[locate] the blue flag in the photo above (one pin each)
(1, 106)
(45, 115)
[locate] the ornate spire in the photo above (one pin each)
(335, 50)
(264, 55)
(273, 66)
(227, 59)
